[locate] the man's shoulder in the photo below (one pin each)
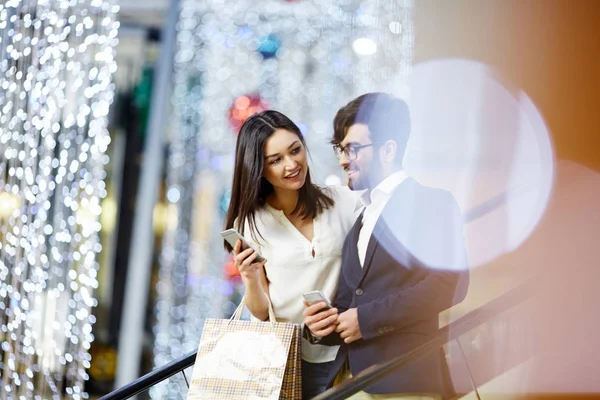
(420, 195)
(418, 208)
(428, 222)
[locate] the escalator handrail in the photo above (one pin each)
(152, 378)
(445, 335)
(370, 375)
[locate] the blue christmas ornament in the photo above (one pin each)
(268, 45)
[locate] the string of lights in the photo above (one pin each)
(56, 62)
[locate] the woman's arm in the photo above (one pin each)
(255, 280)
(256, 298)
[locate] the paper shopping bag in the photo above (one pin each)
(247, 360)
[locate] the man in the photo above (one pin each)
(403, 261)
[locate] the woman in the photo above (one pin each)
(298, 227)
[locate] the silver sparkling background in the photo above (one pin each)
(315, 71)
(56, 62)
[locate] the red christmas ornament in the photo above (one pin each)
(244, 107)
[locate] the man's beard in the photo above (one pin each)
(357, 184)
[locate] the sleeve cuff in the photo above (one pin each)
(308, 335)
(369, 328)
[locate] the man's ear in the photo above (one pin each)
(387, 152)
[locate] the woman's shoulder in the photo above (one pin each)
(344, 198)
(255, 232)
(260, 215)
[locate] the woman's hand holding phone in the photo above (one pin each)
(246, 264)
(320, 318)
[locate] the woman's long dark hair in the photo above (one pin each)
(250, 189)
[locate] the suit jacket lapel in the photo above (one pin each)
(381, 228)
(382, 233)
(351, 253)
(378, 232)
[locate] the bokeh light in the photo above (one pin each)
(484, 141)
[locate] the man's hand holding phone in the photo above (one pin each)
(246, 263)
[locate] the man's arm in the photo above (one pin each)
(424, 301)
(438, 244)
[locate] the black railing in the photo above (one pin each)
(152, 378)
(370, 375)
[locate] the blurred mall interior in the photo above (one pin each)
(118, 123)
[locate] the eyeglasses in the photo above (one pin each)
(350, 150)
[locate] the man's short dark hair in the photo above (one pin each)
(387, 117)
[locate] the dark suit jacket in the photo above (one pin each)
(415, 267)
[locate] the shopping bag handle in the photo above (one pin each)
(238, 311)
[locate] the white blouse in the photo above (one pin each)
(291, 268)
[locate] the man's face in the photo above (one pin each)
(360, 171)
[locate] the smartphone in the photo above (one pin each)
(316, 296)
(232, 236)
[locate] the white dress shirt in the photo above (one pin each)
(374, 202)
(291, 267)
